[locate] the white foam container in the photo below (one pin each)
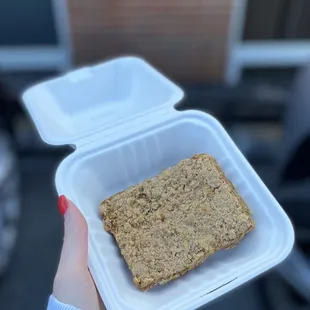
(120, 116)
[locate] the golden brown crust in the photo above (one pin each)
(170, 224)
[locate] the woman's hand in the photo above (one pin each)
(73, 284)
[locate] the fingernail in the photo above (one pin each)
(62, 204)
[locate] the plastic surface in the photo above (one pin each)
(74, 106)
(111, 159)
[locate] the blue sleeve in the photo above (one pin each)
(54, 304)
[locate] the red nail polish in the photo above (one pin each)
(62, 204)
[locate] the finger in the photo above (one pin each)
(73, 284)
(75, 245)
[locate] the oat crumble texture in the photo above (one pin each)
(170, 224)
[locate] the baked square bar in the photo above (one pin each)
(169, 224)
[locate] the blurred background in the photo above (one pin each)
(245, 62)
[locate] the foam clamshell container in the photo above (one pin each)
(120, 117)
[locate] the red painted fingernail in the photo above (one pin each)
(62, 204)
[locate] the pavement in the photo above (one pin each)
(27, 282)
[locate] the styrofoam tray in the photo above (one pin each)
(121, 117)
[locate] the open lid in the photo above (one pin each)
(74, 106)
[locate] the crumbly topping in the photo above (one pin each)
(171, 223)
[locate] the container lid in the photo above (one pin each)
(72, 107)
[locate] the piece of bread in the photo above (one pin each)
(169, 224)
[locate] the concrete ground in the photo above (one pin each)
(28, 281)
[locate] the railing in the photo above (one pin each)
(268, 33)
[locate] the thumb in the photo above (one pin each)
(75, 244)
(73, 284)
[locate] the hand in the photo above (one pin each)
(73, 284)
